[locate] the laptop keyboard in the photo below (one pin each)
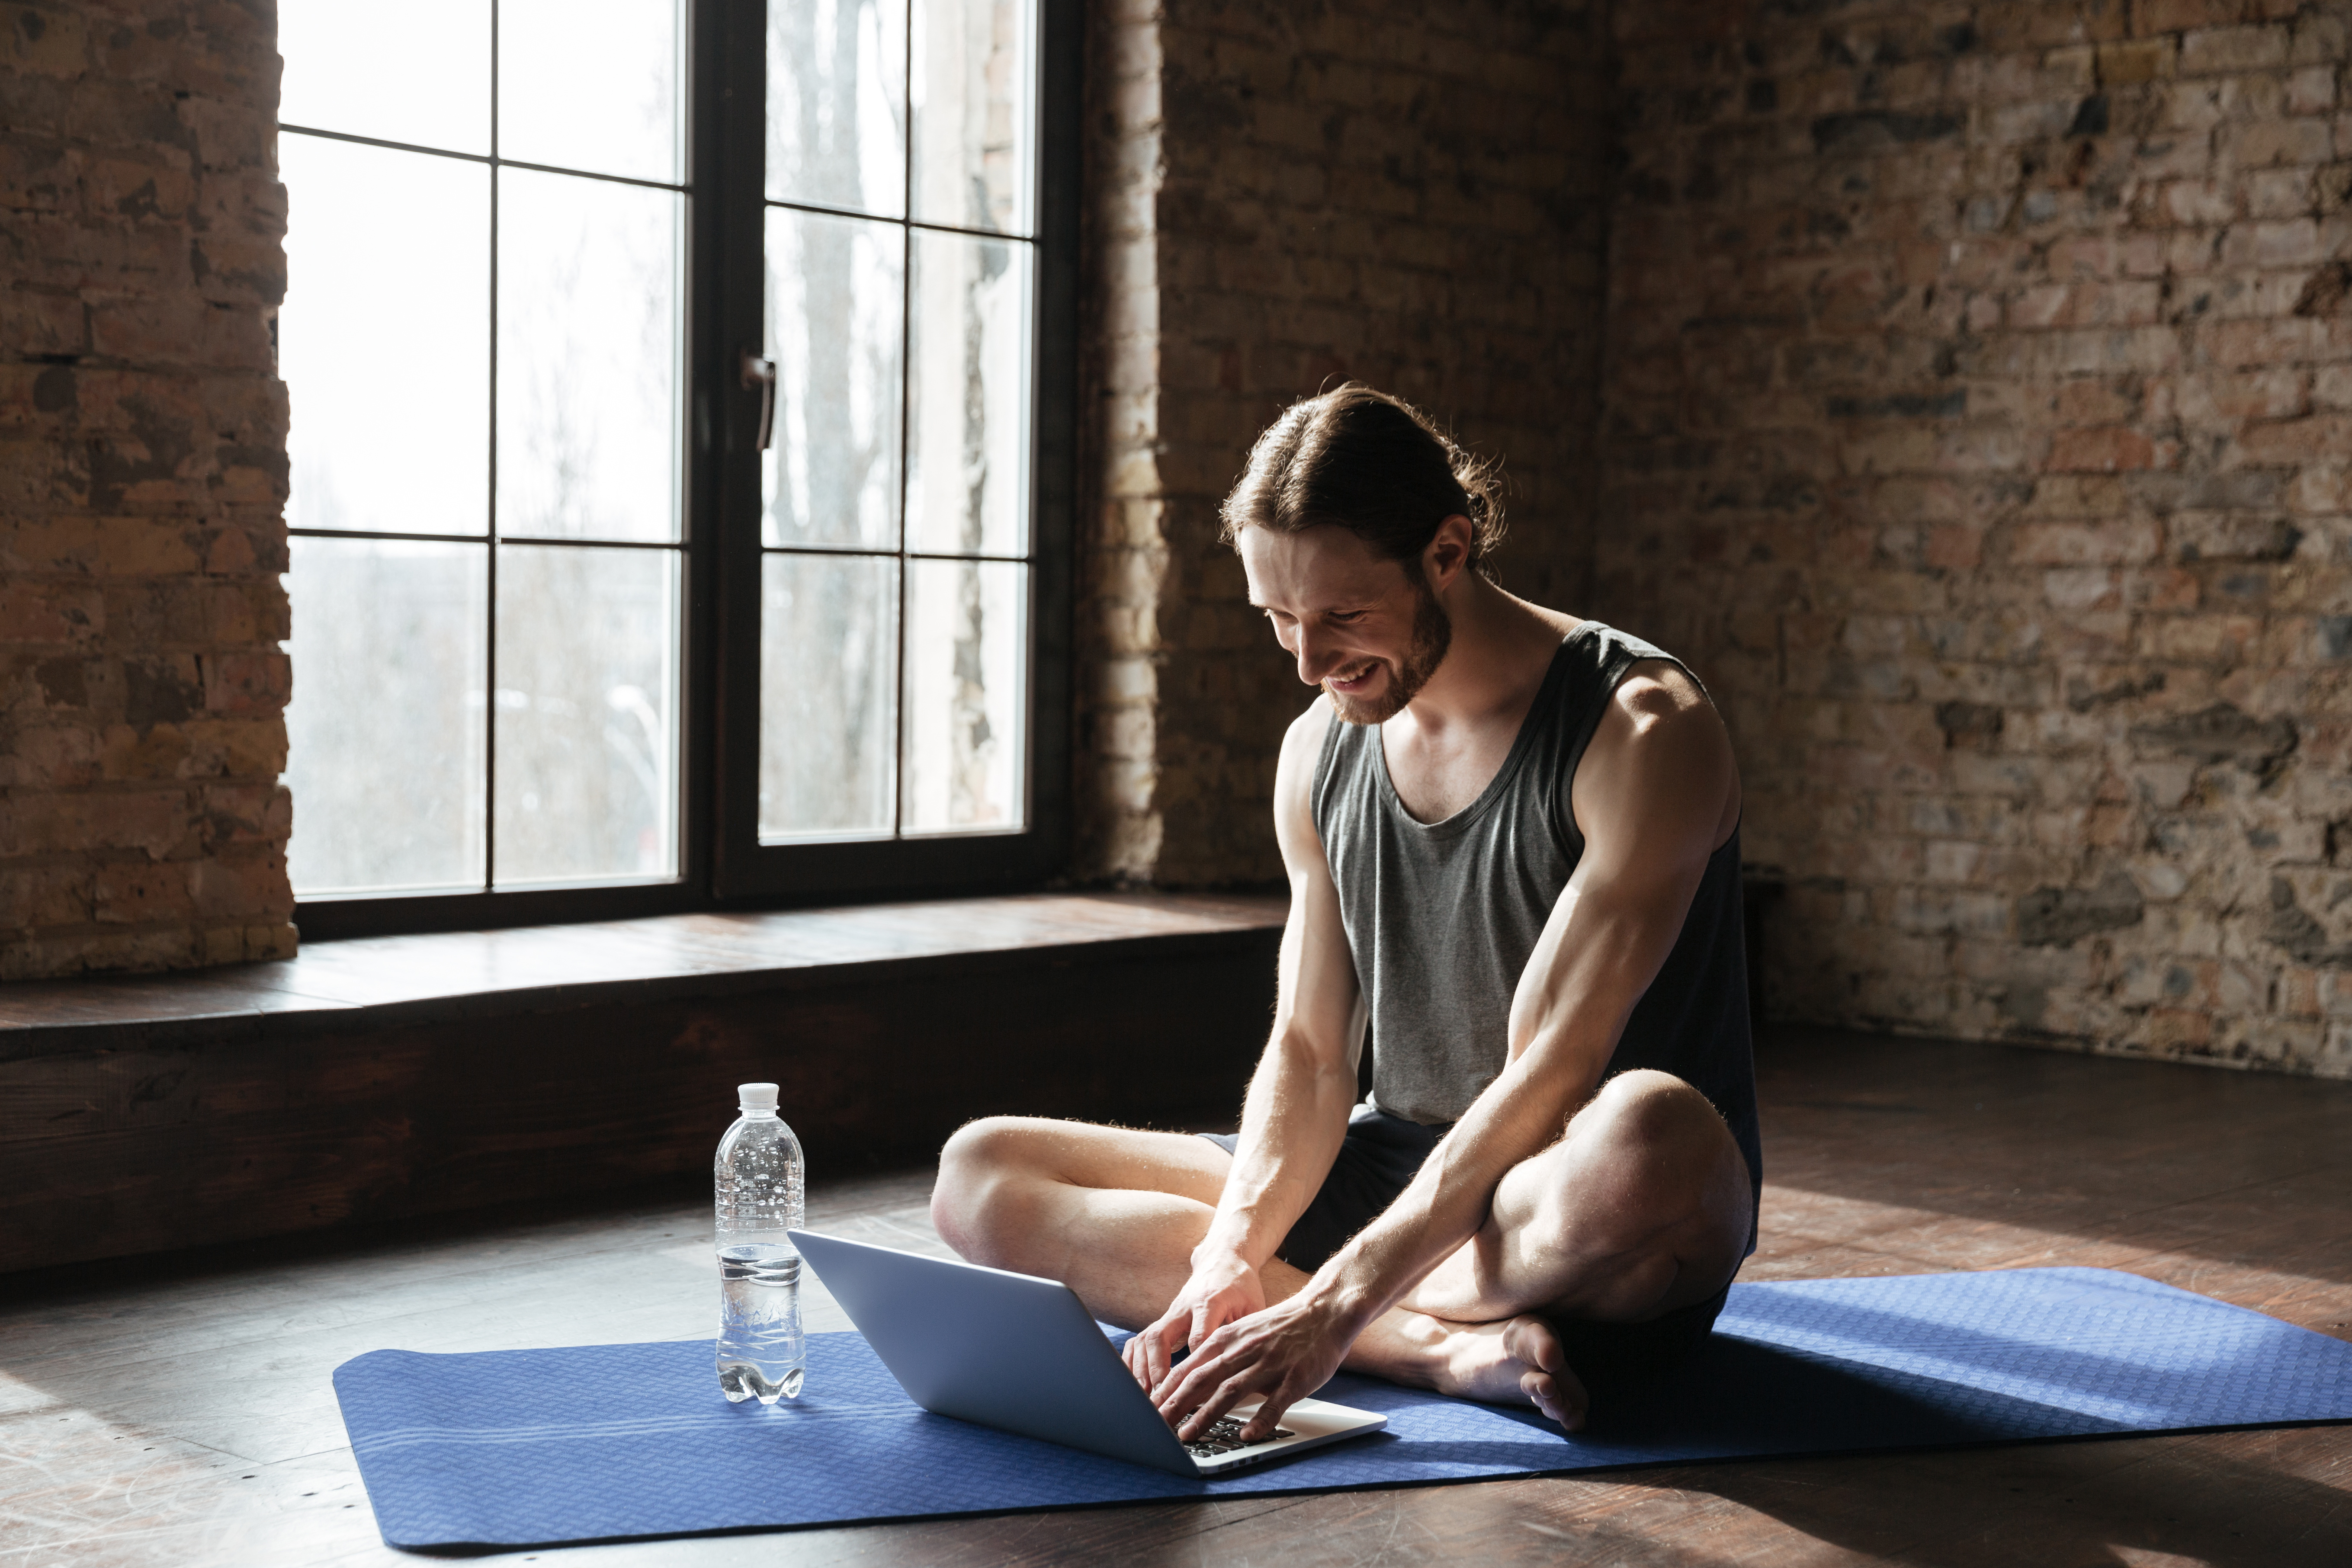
(1224, 1436)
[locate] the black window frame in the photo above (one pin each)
(722, 864)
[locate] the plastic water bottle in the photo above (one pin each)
(758, 1175)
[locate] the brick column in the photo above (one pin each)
(142, 481)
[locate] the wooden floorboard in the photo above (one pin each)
(178, 1410)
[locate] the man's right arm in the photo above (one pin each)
(1296, 1111)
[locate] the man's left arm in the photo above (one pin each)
(1654, 796)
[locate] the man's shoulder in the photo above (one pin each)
(1302, 750)
(1652, 685)
(1656, 690)
(1307, 731)
(1658, 734)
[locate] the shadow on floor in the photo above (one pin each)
(2226, 1499)
(1993, 1155)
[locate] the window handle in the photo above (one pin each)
(761, 373)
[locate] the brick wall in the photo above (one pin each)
(1975, 412)
(143, 471)
(1979, 419)
(1282, 195)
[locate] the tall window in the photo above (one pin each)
(481, 338)
(896, 495)
(561, 620)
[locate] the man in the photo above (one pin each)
(1511, 837)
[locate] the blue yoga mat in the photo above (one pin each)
(606, 1442)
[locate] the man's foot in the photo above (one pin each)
(1515, 1362)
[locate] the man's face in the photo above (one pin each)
(1365, 628)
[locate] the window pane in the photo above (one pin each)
(837, 104)
(828, 674)
(586, 713)
(590, 84)
(834, 305)
(415, 72)
(966, 650)
(385, 731)
(588, 358)
(968, 406)
(384, 338)
(974, 141)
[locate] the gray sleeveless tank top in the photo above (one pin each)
(1442, 917)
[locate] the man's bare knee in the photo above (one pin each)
(1653, 1149)
(992, 1143)
(1655, 1113)
(979, 1184)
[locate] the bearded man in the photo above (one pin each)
(1512, 840)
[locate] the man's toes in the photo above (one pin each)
(1569, 1405)
(1550, 1384)
(1531, 1342)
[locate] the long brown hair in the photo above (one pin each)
(1371, 464)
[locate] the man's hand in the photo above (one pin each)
(1222, 1288)
(1281, 1355)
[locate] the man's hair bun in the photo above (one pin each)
(1360, 460)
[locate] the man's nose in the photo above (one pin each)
(1317, 657)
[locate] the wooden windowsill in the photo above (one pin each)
(471, 974)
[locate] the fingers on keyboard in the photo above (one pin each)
(1224, 1436)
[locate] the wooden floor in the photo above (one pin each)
(178, 1411)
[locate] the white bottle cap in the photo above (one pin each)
(756, 1097)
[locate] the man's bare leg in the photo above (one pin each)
(1114, 1214)
(1111, 1212)
(1641, 1207)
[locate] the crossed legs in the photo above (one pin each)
(1641, 1207)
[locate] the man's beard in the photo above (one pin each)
(1433, 634)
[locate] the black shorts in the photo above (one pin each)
(1379, 1158)
(1377, 1161)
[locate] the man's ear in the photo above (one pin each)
(1447, 553)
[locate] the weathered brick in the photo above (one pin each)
(66, 614)
(2211, 51)
(2292, 341)
(2179, 15)
(108, 546)
(2288, 441)
(144, 530)
(35, 896)
(155, 822)
(131, 893)
(2200, 200)
(2312, 89)
(2259, 143)
(2105, 450)
(2096, 402)
(2135, 60)
(2281, 193)
(2172, 555)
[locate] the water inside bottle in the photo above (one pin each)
(761, 1354)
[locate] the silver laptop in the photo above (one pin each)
(1022, 1353)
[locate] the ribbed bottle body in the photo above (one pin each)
(758, 1183)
